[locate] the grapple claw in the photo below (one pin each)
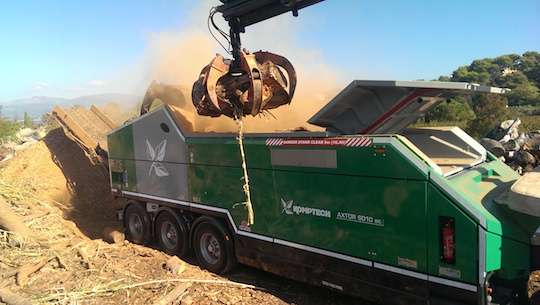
(282, 62)
(258, 85)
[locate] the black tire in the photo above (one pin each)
(171, 233)
(213, 247)
(137, 224)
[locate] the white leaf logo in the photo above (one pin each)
(287, 206)
(156, 156)
(161, 171)
(150, 151)
(160, 149)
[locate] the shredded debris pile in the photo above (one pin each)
(519, 150)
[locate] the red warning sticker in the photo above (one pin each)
(347, 142)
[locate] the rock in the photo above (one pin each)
(493, 146)
(507, 130)
(532, 143)
(528, 168)
(187, 300)
(516, 167)
(522, 139)
(511, 145)
(534, 134)
(535, 153)
(176, 265)
(525, 157)
(509, 156)
(7, 150)
(111, 235)
(26, 134)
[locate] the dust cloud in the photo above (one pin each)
(177, 58)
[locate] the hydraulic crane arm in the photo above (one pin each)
(251, 82)
(242, 13)
(248, 12)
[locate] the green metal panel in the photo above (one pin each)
(373, 218)
(371, 202)
(217, 151)
(217, 158)
(216, 176)
(120, 143)
(473, 193)
(493, 252)
(511, 258)
(122, 159)
(379, 195)
(376, 160)
(515, 260)
(480, 186)
(465, 267)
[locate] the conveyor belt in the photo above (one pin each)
(88, 127)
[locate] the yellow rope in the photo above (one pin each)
(251, 217)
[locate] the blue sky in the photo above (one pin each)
(75, 48)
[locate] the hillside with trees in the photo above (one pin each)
(477, 115)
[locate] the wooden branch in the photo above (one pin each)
(70, 224)
(174, 294)
(84, 256)
(11, 222)
(35, 216)
(61, 262)
(10, 298)
(27, 270)
(10, 273)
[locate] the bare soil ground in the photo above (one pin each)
(66, 200)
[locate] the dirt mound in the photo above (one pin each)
(61, 175)
(66, 200)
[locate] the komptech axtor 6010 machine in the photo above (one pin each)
(367, 207)
(405, 216)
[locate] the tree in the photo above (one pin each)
(28, 122)
(490, 109)
(454, 110)
(530, 65)
(461, 75)
(524, 94)
(505, 60)
(487, 70)
(8, 128)
(512, 79)
(519, 73)
(523, 91)
(443, 78)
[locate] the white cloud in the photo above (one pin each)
(40, 86)
(74, 89)
(95, 83)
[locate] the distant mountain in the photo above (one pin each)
(38, 105)
(102, 99)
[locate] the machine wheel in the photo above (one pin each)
(213, 247)
(171, 233)
(137, 224)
